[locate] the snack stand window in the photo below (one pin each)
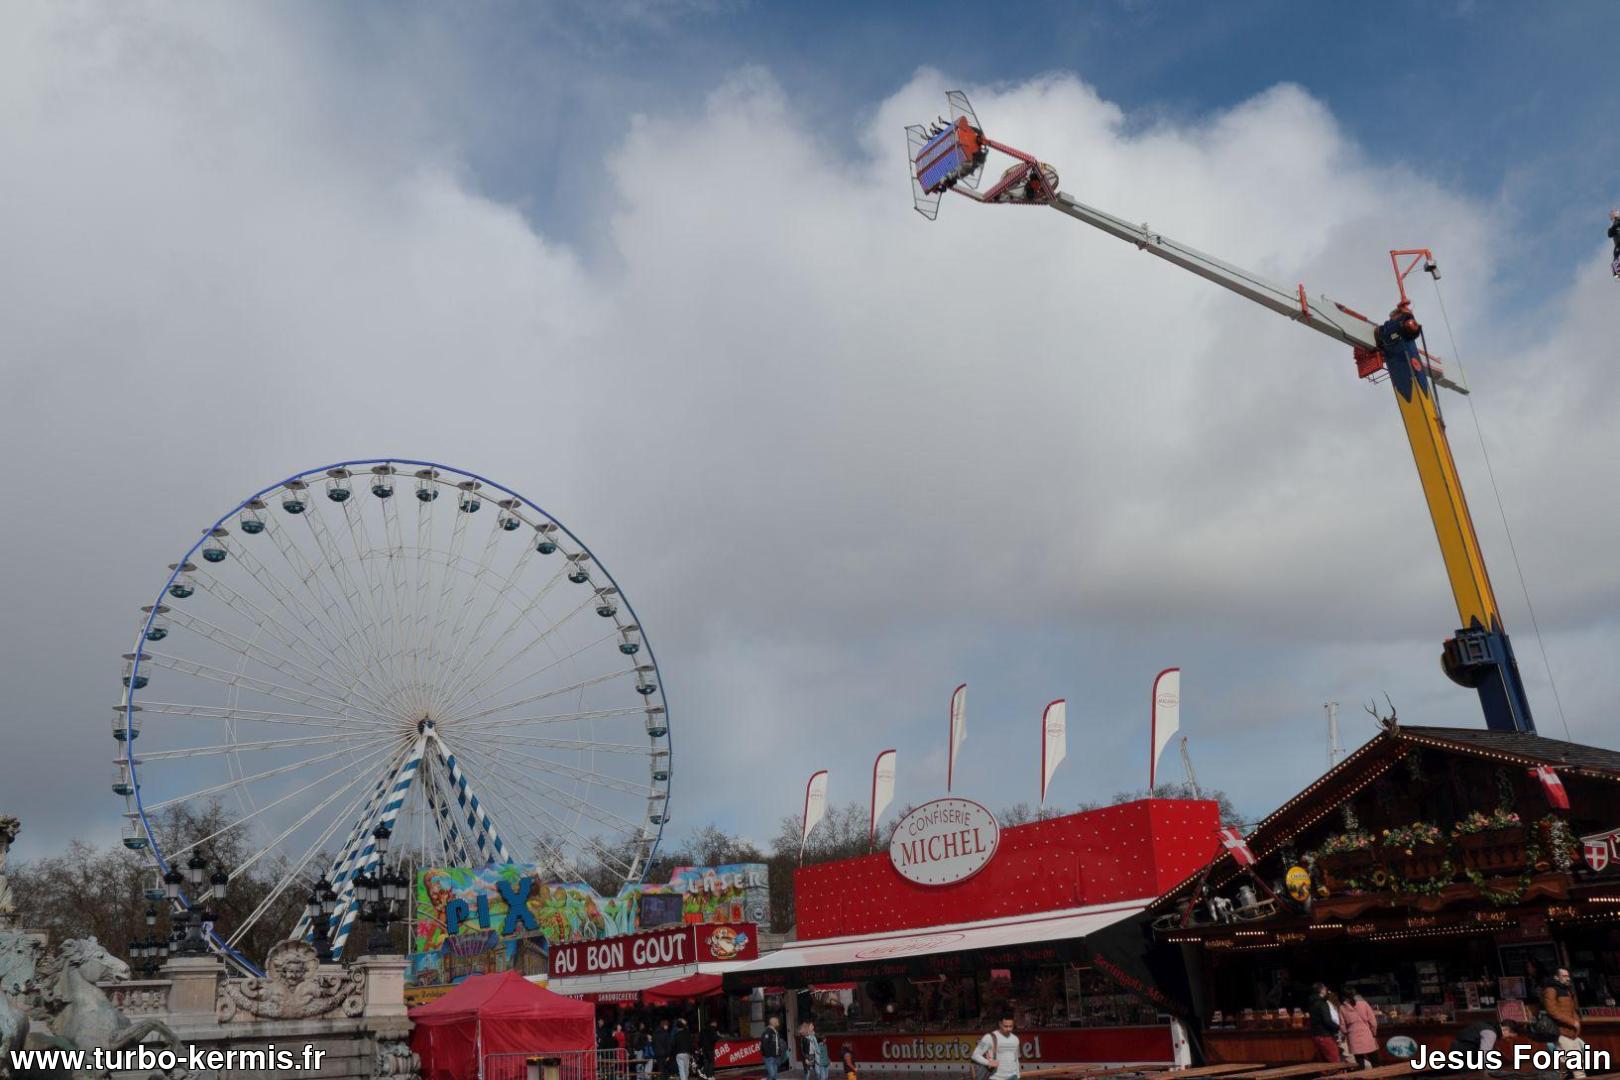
(1045, 996)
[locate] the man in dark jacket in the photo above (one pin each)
(683, 1049)
(1324, 1028)
(773, 1048)
(1614, 235)
(707, 1041)
(663, 1048)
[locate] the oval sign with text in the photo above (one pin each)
(944, 841)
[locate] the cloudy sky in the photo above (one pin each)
(653, 263)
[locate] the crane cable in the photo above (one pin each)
(1501, 510)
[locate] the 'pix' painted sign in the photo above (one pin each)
(516, 896)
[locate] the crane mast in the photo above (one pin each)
(950, 156)
(1186, 763)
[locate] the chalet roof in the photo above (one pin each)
(1369, 762)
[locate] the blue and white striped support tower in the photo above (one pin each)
(363, 856)
(491, 849)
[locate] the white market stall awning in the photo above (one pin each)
(1064, 925)
(633, 981)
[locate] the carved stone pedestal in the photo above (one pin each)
(194, 985)
(385, 985)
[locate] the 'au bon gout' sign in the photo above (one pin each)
(944, 841)
(671, 946)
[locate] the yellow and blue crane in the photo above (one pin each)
(950, 155)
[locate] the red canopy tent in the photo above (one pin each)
(687, 989)
(497, 1014)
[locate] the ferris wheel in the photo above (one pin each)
(391, 643)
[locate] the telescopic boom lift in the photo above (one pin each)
(949, 155)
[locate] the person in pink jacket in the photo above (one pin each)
(1360, 1026)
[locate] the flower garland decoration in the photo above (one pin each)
(1479, 821)
(1409, 837)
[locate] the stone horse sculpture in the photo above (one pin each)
(81, 1017)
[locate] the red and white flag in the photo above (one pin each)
(1233, 842)
(1054, 742)
(958, 732)
(1557, 797)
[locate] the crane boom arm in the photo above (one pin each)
(1324, 315)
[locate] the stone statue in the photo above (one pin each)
(9, 828)
(294, 988)
(80, 1016)
(396, 1059)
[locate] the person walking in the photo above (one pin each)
(813, 1052)
(1324, 1026)
(647, 1054)
(664, 1048)
(846, 1054)
(997, 1054)
(708, 1039)
(1558, 1001)
(1360, 1025)
(773, 1048)
(682, 1046)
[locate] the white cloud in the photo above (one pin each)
(839, 458)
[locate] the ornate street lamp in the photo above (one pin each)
(318, 910)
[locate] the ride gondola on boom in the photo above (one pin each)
(950, 155)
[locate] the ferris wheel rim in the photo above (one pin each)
(129, 706)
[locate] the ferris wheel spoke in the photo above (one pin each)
(366, 622)
(520, 795)
(269, 744)
(573, 772)
(257, 716)
(542, 638)
(241, 821)
(476, 676)
(595, 680)
(259, 686)
(329, 653)
(322, 637)
(304, 819)
(452, 839)
(436, 626)
(344, 864)
(295, 873)
(558, 659)
(242, 782)
(559, 860)
(366, 555)
(399, 589)
(477, 588)
(345, 627)
(322, 657)
(480, 727)
(602, 817)
(244, 647)
(460, 657)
